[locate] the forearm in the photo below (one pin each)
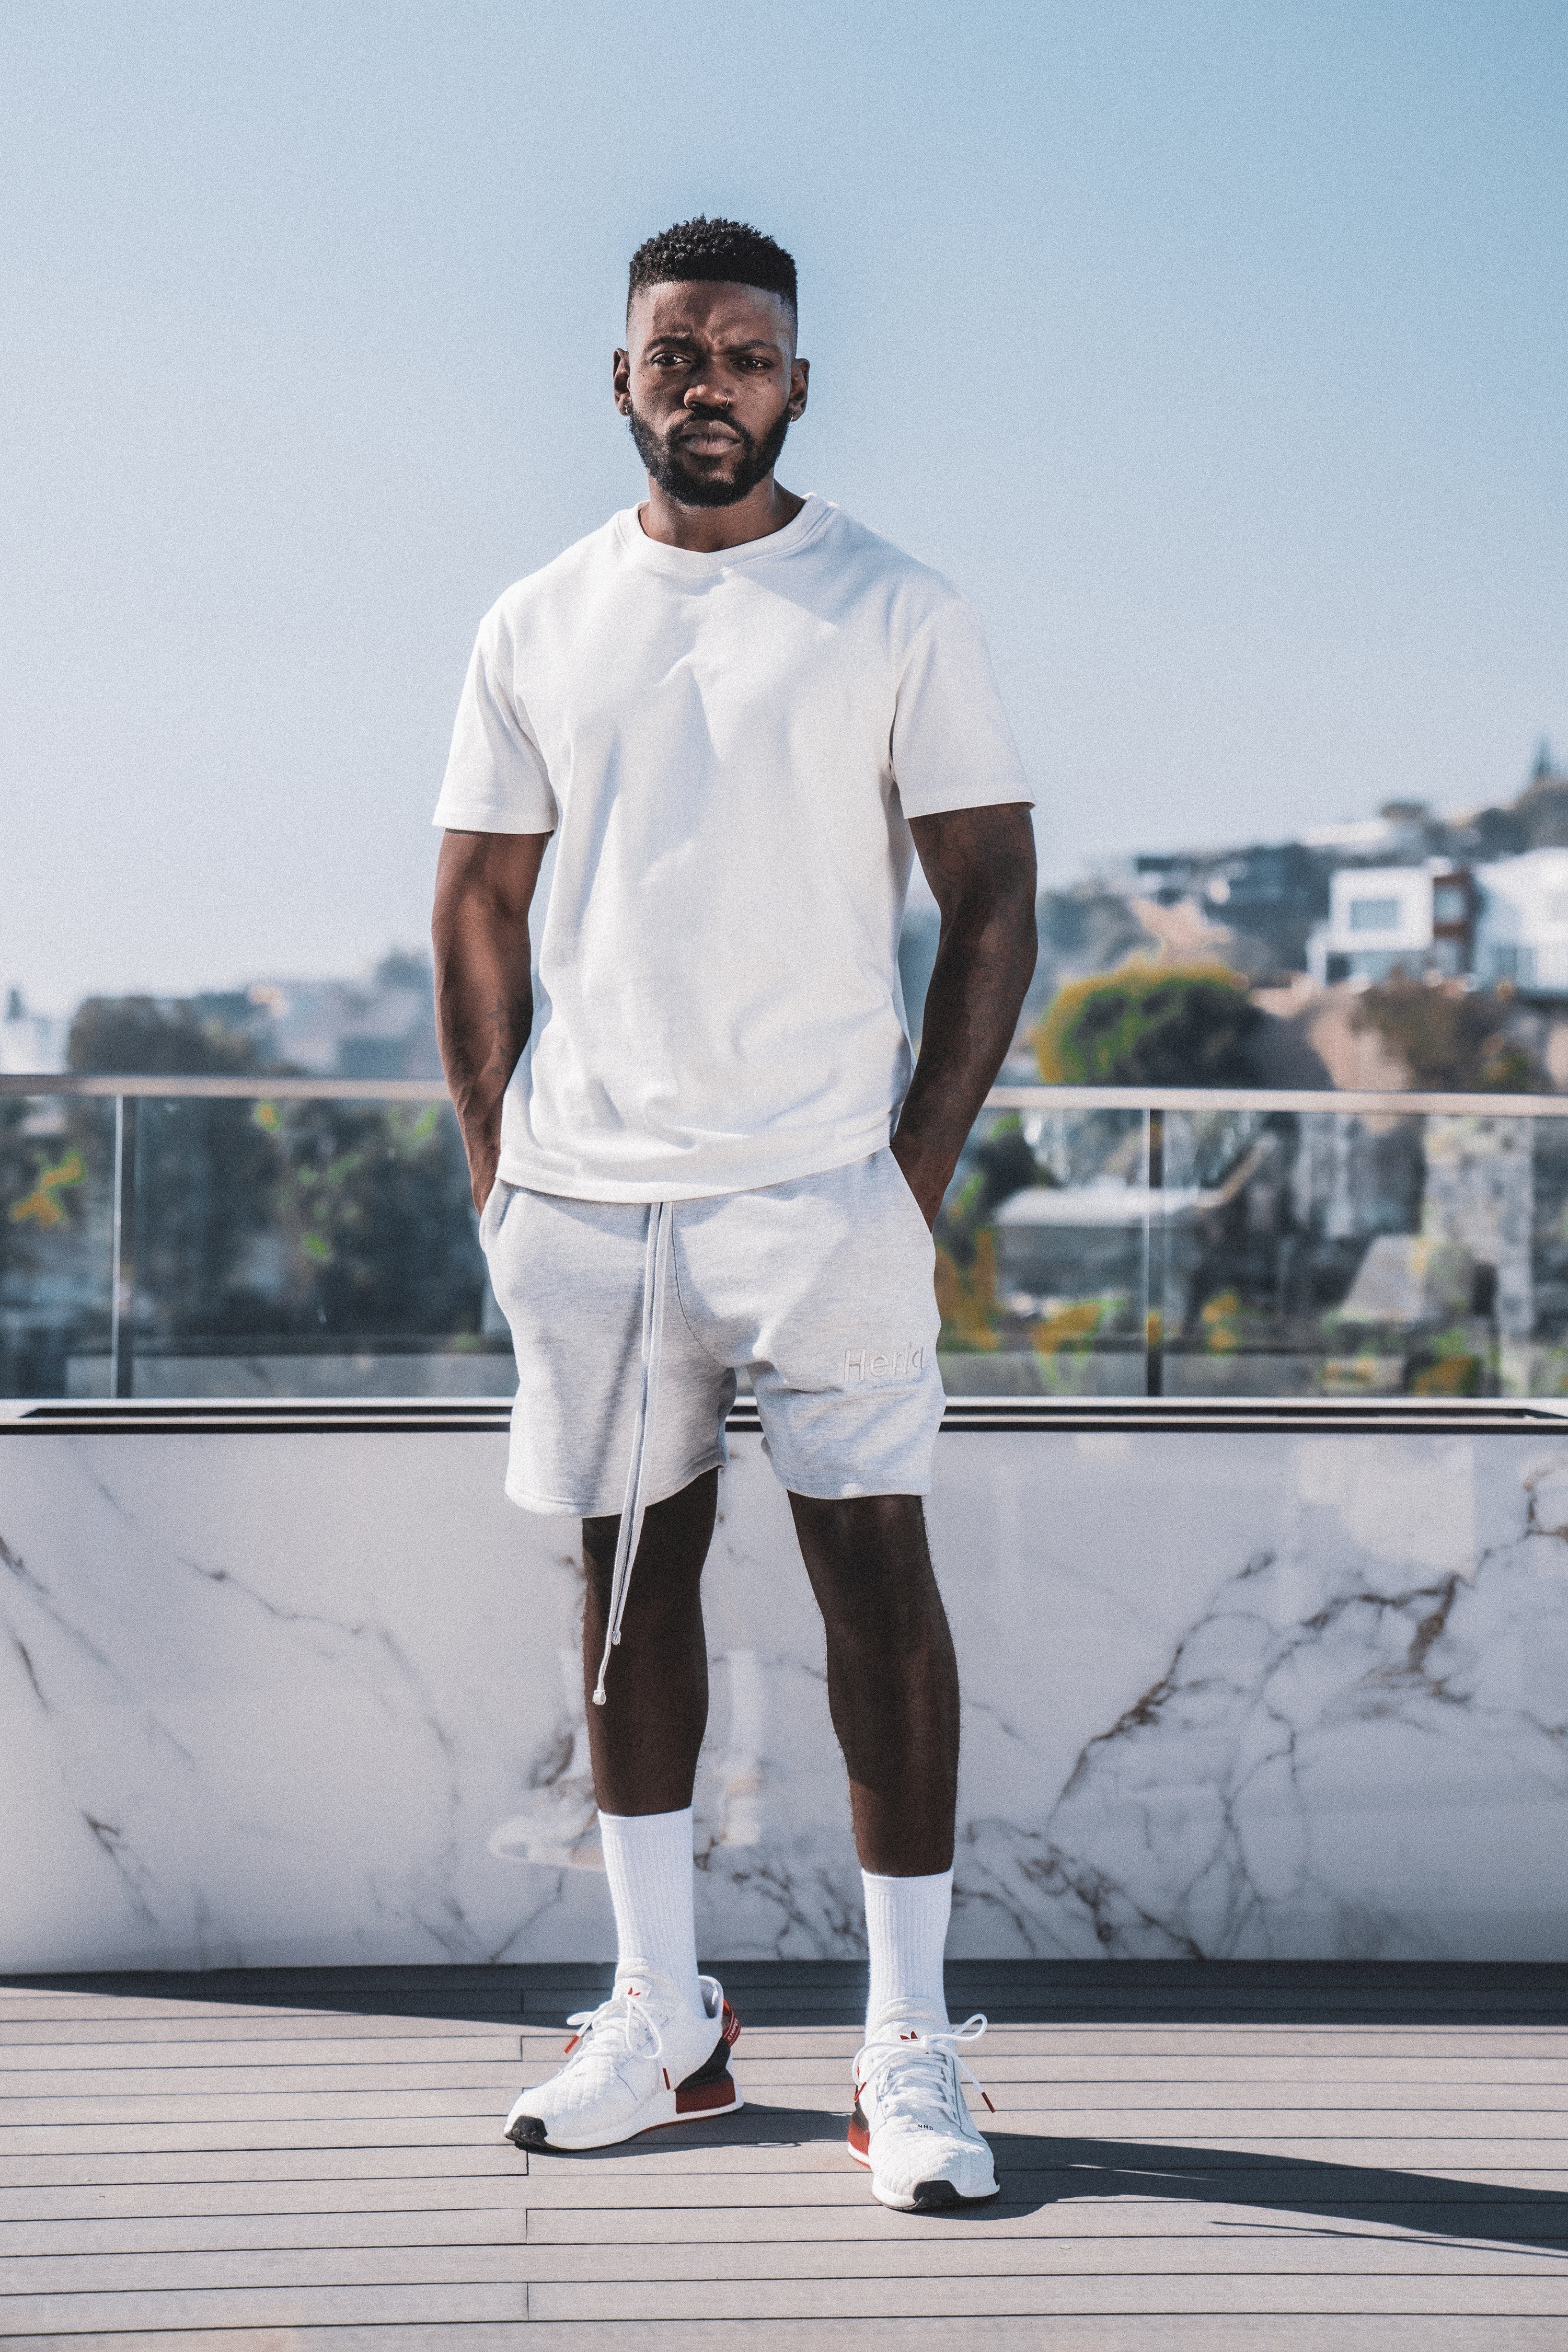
(984, 968)
(983, 874)
(484, 1010)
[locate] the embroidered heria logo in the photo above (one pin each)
(869, 1364)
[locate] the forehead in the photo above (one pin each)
(710, 313)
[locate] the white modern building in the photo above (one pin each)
(1506, 922)
(1521, 927)
(29, 1042)
(1388, 919)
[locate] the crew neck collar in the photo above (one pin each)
(690, 563)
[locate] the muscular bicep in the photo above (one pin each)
(494, 873)
(984, 855)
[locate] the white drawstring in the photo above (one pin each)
(656, 1271)
(622, 2008)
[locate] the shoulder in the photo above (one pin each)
(562, 583)
(910, 595)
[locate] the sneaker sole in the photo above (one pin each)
(687, 2106)
(712, 2090)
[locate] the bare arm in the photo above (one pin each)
(484, 991)
(980, 864)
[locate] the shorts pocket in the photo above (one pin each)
(494, 1209)
(901, 1183)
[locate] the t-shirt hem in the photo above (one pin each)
(966, 796)
(589, 1184)
(452, 817)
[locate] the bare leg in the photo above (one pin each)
(644, 1740)
(892, 1678)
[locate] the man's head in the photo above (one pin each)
(708, 381)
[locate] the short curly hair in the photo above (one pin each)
(713, 250)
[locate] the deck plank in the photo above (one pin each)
(1192, 2155)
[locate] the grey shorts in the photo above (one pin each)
(821, 1288)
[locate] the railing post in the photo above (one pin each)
(122, 1268)
(1155, 1253)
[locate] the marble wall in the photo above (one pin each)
(288, 1699)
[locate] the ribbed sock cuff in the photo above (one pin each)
(906, 1934)
(648, 1860)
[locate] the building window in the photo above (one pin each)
(1505, 963)
(1448, 903)
(1375, 914)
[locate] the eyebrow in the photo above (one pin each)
(681, 335)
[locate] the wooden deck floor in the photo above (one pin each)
(1241, 2159)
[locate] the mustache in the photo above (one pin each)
(700, 420)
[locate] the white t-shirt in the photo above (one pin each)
(729, 748)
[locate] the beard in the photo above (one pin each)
(677, 479)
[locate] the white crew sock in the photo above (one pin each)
(906, 1928)
(648, 1860)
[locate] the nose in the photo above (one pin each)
(702, 395)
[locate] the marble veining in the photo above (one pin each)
(278, 1699)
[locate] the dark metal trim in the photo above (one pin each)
(1040, 1416)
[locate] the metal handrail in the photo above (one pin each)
(241, 1089)
(1361, 1102)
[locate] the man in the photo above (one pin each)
(738, 714)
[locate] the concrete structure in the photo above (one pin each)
(286, 1686)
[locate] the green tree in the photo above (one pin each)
(1151, 1024)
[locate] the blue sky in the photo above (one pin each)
(1218, 352)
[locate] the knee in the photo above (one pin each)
(670, 1555)
(869, 1566)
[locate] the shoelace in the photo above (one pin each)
(878, 2055)
(656, 1273)
(622, 2009)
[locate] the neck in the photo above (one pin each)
(707, 530)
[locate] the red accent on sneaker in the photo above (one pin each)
(568, 2047)
(986, 2096)
(731, 2026)
(859, 2134)
(720, 2093)
(665, 2071)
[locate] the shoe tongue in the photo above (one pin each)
(637, 1984)
(897, 2020)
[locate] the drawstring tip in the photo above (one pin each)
(616, 1639)
(599, 1695)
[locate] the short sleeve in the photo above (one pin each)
(496, 779)
(951, 745)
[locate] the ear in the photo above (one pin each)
(621, 381)
(799, 385)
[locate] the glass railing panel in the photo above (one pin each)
(306, 1249)
(198, 1243)
(1042, 1256)
(57, 1202)
(1292, 1253)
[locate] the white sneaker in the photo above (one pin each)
(911, 2125)
(639, 2060)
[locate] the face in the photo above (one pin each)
(710, 385)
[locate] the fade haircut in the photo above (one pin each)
(717, 252)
